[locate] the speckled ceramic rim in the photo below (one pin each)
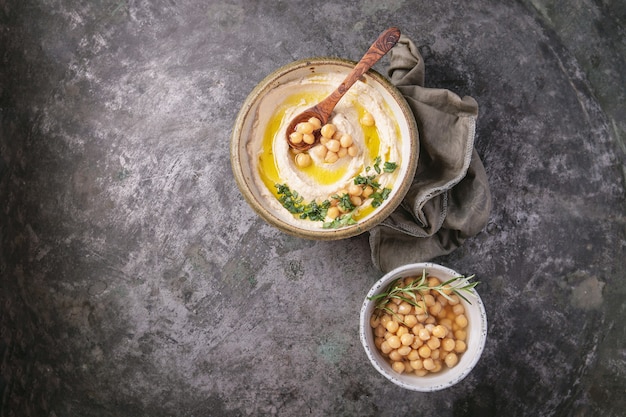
(476, 337)
(245, 182)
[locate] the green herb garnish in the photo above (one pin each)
(412, 293)
(340, 221)
(380, 196)
(344, 202)
(365, 181)
(377, 164)
(293, 202)
(316, 211)
(390, 166)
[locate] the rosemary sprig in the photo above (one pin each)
(413, 292)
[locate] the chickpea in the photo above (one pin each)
(410, 320)
(424, 351)
(317, 123)
(461, 321)
(304, 127)
(442, 300)
(385, 348)
(416, 364)
(440, 331)
(342, 152)
(374, 321)
(460, 334)
(354, 189)
(308, 138)
(458, 309)
(435, 354)
(333, 212)
(434, 281)
(333, 145)
(454, 299)
(398, 367)
(295, 137)
(433, 343)
(328, 130)
(356, 200)
(384, 319)
(420, 308)
(367, 119)
(303, 160)
(320, 151)
(437, 367)
(402, 330)
(447, 323)
(429, 300)
(380, 331)
(417, 343)
(460, 346)
(448, 344)
(435, 309)
(423, 334)
(394, 342)
(407, 339)
(422, 318)
(404, 308)
(421, 372)
(378, 341)
(413, 355)
(391, 326)
(331, 157)
(394, 308)
(404, 350)
(395, 356)
(368, 191)
(353, 151)
(451, 359)
(429, 364)
(346, 140)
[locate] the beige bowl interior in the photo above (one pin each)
(247, 118)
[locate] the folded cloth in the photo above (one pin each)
(449, 199)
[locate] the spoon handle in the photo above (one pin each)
(380, 47)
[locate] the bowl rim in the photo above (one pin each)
(477, 344)
(322, 234)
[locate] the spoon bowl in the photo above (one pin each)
(322, 110)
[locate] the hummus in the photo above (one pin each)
(274, 161)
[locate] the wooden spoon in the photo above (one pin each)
(324, 108)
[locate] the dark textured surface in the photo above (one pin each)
(137, 282)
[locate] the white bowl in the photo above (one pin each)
(256, 114)
(447, 377)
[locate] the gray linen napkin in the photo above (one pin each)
(449, 200)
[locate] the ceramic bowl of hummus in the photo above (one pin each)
(338, 191)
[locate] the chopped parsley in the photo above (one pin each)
(390, 166)
(316, 211)
(340, 221)
(379, 196)
(293, 202)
